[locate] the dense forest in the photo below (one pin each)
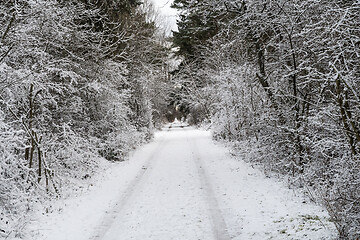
(86, 80)
(279, 80)
(80, 80)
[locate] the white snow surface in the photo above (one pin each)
(184, 186)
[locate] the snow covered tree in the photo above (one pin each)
(283, 76)
(68, 76)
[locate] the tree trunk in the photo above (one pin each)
(262, 76)
(29, 151)
(344, 117)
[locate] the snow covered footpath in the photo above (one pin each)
(183, 186)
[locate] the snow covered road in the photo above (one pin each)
(167, 200)
(183, 186)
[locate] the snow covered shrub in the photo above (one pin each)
(118, 144)
(341, 197)
(71, 158)
(16, 181)
(331, 172)
(108, 109)
(235, 111)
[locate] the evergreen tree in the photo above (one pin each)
(198, 22)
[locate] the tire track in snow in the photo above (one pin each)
(217, 219)
(128, 193)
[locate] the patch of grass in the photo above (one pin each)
(310, 217)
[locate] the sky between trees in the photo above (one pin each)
(168, 12)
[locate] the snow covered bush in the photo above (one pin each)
(235, 113)
(16, 181)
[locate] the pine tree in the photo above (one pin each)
(197, 24)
